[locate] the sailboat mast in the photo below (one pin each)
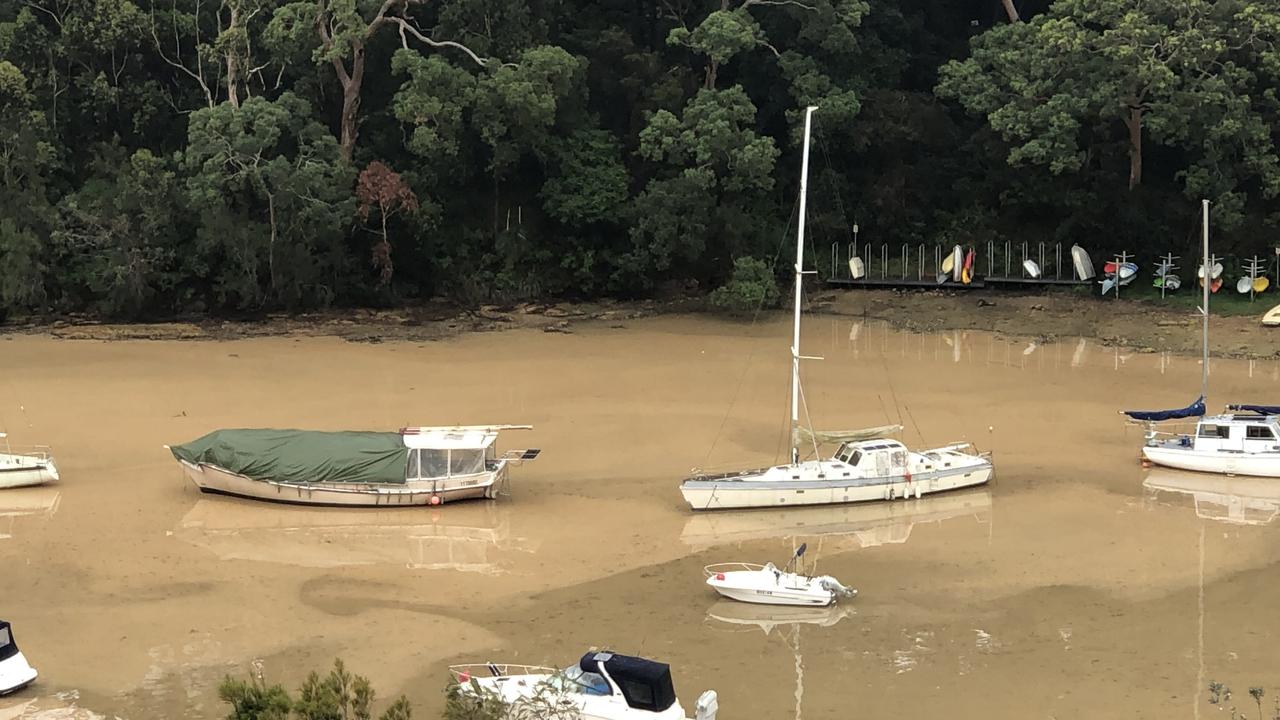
(1208, 278)
(795, 343)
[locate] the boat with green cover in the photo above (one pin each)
(415, 466)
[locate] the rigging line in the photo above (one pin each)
(917, 426)
(892, 394)
(737, 391)
(804, 403)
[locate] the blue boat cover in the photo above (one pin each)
(1260, 409)
(1195, 409)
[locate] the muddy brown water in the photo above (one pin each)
(1066, 588)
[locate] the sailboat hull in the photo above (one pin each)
(1256, 464)
(26, 470)
(745, 492)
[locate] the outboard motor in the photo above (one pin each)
(707, 706)
(831, 584)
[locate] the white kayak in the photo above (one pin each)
(1084, 266)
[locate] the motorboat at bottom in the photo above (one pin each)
(767, 585)
(15, 672)
(603, 685)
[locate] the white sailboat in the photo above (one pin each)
(26, 468)
(866, 465)
(1246, 442)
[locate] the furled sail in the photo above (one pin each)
(1260, 409)
(804, 436)
(1195, 409)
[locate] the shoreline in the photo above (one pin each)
(1140, 325)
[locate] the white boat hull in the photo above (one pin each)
(744, 586)
(1260, 464)
(25, 470)
(15, 674)
(213, 479)
(714, 495)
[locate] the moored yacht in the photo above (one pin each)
(602, 686)
(15, 672)
(867, 465)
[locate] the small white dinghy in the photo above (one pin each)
(602, 686)
(767, 585)
(22, 469)
(15, 672)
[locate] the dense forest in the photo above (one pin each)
(160, 157)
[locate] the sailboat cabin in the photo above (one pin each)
(1244, 433)
(880, 456)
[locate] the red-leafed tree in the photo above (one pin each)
(381, 189)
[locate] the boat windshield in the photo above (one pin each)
(588, 683)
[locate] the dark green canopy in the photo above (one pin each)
(302, 456)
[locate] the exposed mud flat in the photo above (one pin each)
(1066, 588)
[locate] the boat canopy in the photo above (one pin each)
(448, 438)
(8, 647)
(645, 684)
(804, 435)
(1260, 409)
(1195, 409)
(302, 456)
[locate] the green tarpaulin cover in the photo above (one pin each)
(302, 456)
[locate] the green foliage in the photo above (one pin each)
(1088, 78)
(161, 157)
(339, 695)
(751, 288)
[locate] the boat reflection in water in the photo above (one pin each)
(467, 539)
(869, 524)
(1237, 500)
(786, 620)
(26, 503)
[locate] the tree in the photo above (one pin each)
(1189, 76)
(344, 32)
(26, 158)
(339, 695)
(382, 189)
(264, 171)
(117, 237)
(714, 171)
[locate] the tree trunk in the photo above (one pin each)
(351, 86)
(271, 246)
(1011, 11)
(233, 62)
(1134, 123)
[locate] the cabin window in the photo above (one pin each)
(1215, 431)
(412, 471)
(434, 463)
(466, 462)
(1260, 432)
(855, 457)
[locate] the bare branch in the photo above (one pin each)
(36, 6)
(406, 27)
(198, 77)
(797, 3)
